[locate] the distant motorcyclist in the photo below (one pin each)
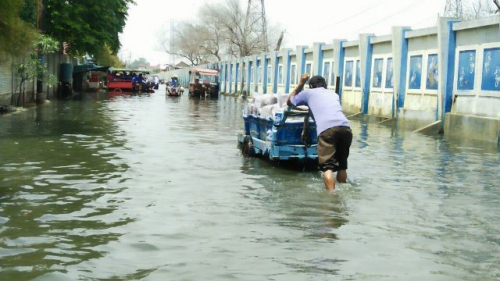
(173, 82)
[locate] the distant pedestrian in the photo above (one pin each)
(333, 128)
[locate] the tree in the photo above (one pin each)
(230, 19)
(138, 62)
(219, 34)
(470, 10)
(217, 43)
(189, 43)
(106, 57)
(86, 25)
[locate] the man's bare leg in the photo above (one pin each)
(329, 179)
(342, 176)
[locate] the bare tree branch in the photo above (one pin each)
(219, 34)
(472, 10)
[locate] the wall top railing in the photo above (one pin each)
(380, 39)
(354, 43)
(422, 32)
(327, 47)
(494, 20)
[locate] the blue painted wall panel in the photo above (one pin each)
(466, 70)
(415, 75)
(432, 72)
(491, 70)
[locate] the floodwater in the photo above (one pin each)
(154, 188)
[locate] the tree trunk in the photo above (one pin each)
(21, 93)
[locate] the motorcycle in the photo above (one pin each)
(174, 91)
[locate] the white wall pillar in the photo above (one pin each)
(365, 51)
(318, 57)
(274, 71)
(286, 68)
(399, 62)
(300, 60)
(338, 60)
(446, 65)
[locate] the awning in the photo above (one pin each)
(205, 71)
(111, 69)
(89, 67)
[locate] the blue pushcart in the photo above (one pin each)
(291, 135)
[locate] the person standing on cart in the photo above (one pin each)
(333, 128)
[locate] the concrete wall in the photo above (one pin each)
(413, 76)
(327, 68)
(6, 80)
(475, 101)
(421, 90)
(382, 79)
(352, 97)
(9, 81)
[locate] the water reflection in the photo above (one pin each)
(61, 180)
(299, 197)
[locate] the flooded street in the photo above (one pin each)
(154, 188)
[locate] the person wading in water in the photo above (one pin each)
(333, 128)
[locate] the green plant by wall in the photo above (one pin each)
(31, 65)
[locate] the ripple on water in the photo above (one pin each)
(148, 187)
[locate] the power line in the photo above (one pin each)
(393, 15)
(353, 16)
(424, 20)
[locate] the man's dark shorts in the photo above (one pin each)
(333, 148)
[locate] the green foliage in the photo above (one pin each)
(16, 33)
(29, 12)
(138, 62)
(46, 45)
(31, 66)
(106, 58)
(86, 25)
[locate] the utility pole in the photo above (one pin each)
(256, 16)
(255, 20)
(172, 43)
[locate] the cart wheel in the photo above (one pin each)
(247, 149)
(117, 90)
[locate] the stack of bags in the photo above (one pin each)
(266, 105)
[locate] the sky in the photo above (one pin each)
(304, 22)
